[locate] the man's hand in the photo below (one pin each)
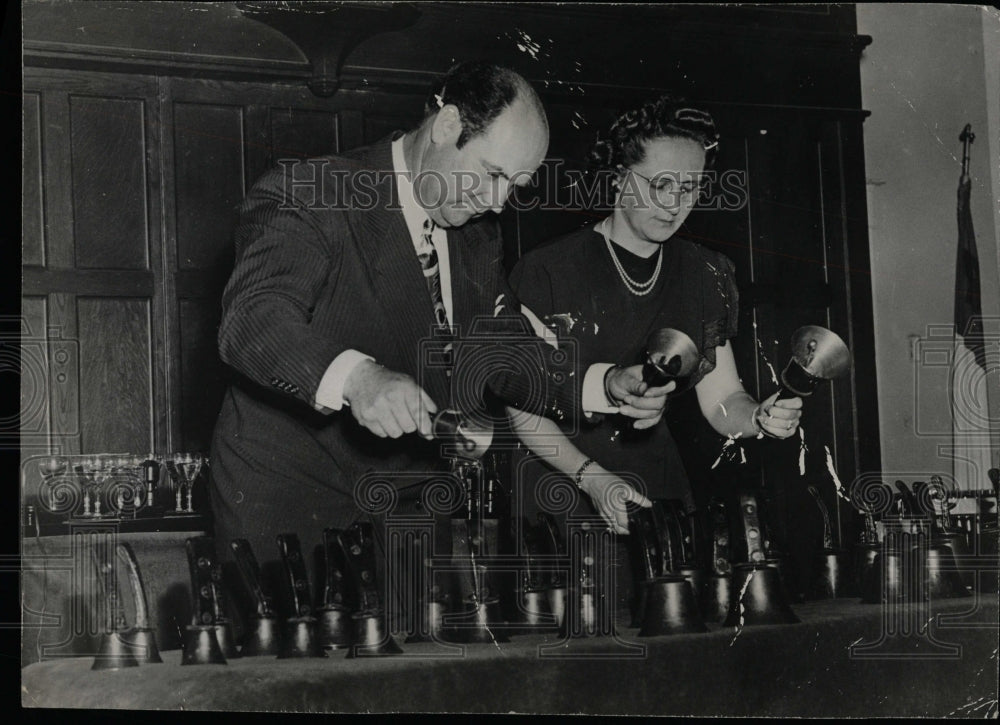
(609, 494)
(635, 398)
(387, 403)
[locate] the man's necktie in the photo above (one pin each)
(428, 257)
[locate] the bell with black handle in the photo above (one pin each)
(685, 559)
(717, 589)
(556, 591)
(478, 617)
(831, 578)
(263, 636)
(370, 636)
(466, 438)
(141, 636)
(818, 354)
(532, 592)
(644, 549)
(201, 642)
(669, 355)
(943, 578)
(588, 600)
(335, 625)
(115, 651)
(299, 636)
(758, 595)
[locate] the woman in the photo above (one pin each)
(613, 283)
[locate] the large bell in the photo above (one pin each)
(371, 637)
(670, 355)
(758, 596)
(884, 580)
(143, 642)
(670, 608)
(299, 639)
(817, 354)
(832, 578)
(943, 580)
(263, 638)
(114, 653)
(201, 646)
(715, 596)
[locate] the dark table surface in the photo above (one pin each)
(843, 659)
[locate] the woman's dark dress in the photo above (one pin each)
(571, 282)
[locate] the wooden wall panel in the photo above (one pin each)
(109, 182)
(203, 376)
(115, 382)
(34, 410)
(32, 183)
(208, 167)
(302, 134)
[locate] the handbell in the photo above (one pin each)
(670, 608)
(943, 579)
(141, 636)
(831, 579)
(670, 355)
(299, 636)
(263, 637)
(201, 646)
(758, 596)
(370, 637)
(201, 642)
(335, 614)
(115, 651)
(716, 591)
(818, 354)
(469, 438)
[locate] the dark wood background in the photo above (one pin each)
(145, 123)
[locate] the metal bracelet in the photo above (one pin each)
(579, 472)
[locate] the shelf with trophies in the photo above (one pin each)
(135, 493)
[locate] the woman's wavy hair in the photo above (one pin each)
(624, 142)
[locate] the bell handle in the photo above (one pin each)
(125, 554)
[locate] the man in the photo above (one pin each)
(336, 294)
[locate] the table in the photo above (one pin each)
(844, 659)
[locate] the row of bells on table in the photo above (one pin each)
(903, 568)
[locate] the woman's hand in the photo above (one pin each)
(609, 494)
(778, 418)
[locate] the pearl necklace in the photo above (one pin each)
(639, 289)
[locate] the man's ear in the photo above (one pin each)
(447, 126)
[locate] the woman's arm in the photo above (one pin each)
(731, 410)
(608, 492)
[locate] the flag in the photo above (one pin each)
(968, 305)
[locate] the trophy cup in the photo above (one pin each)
(115, 650)
(300, 629)
(263, 637)
(201, 640)
(141, 636)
